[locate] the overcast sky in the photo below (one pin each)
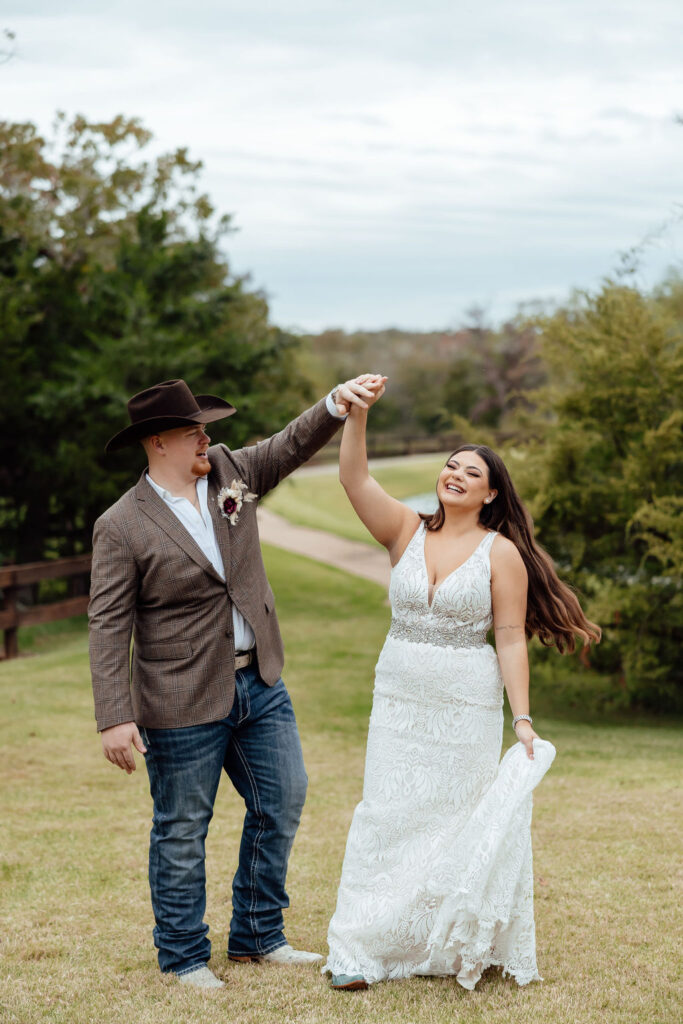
(391, 162)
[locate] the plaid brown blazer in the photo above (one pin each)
(151, 581)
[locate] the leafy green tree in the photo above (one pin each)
(494, 374)
(112, 278)
(603, 465)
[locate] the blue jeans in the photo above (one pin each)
(258, 746)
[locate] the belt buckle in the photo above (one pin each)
(244, 659)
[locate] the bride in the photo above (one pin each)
(437, 876)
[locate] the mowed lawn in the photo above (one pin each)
(76, 936)
(317, 499)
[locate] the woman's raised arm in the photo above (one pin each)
(389, 521)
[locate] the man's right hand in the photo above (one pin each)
(117, 742)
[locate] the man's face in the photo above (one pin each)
(184, 450)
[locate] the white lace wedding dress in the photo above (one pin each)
(437, 876)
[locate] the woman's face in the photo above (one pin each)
(464, 482)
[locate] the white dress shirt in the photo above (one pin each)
(332, 408)
(200, 528)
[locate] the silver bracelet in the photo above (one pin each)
(522, 718)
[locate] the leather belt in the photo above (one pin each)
(243, 658)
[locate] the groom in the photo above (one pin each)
(177, 565)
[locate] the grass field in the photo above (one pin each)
(319, 500)
(76, 936)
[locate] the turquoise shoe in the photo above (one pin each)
(349, 982)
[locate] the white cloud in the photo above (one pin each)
(385, 161)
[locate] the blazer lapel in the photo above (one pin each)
(153, 506)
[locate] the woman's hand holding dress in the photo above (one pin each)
(527, 735)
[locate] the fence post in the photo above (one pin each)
(9, 604)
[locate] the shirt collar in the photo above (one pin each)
(202, 487)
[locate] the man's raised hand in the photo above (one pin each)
(362, 391)
(117, 742)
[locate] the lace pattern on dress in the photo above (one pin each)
(437, 876)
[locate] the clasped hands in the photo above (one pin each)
(362, 392)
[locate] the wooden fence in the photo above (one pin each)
(13, 578)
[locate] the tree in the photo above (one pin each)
(477, 373)
(112, 278)
(603, 468)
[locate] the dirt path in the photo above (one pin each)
(350, 555)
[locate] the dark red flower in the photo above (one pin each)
(229, 506)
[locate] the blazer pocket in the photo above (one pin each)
(164, 652)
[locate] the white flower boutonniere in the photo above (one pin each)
(230, 500)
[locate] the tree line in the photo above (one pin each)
(113, 275)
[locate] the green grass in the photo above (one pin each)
(76, 941)
(51, 636)
(319, 500)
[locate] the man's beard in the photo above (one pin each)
(200, 467)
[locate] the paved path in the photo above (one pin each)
(350, 555)
(383, 463)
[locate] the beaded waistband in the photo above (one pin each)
(441, 634)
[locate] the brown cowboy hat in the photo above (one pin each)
(165, 406)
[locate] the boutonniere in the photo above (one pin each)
(230, 500)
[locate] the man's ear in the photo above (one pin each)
(153, 443)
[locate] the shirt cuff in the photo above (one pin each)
(332, 408)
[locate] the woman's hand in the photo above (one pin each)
(526, 735)
(363, 391)
(375, 383)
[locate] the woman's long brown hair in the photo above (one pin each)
(553, 612)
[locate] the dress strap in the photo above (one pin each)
(412, 546)
(487, 542)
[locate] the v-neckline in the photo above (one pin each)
(436, 589)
